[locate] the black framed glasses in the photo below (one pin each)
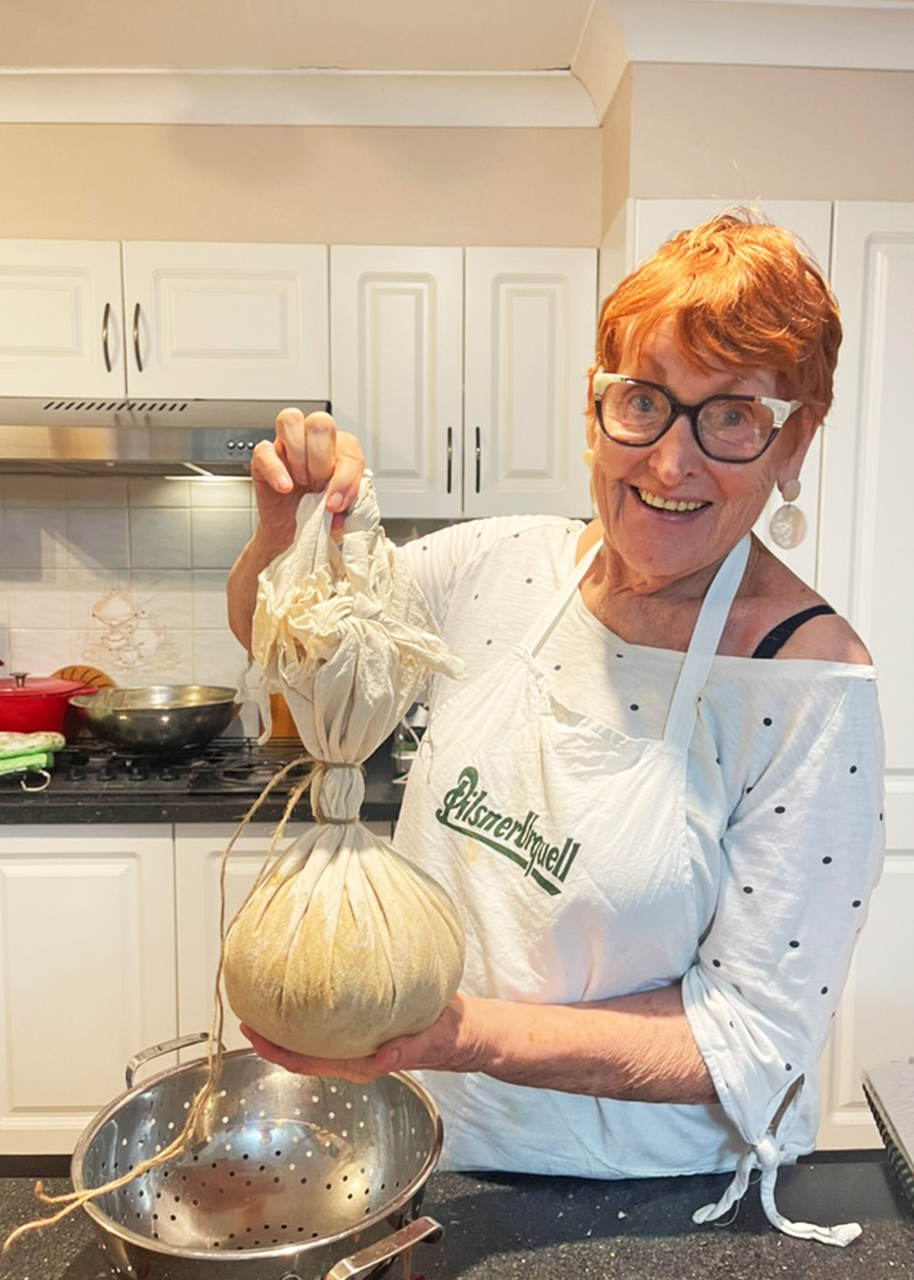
(727, 428)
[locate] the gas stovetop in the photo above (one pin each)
(237, 766)
(94, 782)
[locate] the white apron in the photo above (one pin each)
(564, 843)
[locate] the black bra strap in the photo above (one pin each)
(769, 645)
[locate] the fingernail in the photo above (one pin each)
(335, 502)
(393, 1058)
(284, 483)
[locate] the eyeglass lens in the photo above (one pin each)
(637, 413)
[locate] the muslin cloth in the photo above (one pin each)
(342, 943)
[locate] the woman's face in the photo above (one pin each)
(657, 548)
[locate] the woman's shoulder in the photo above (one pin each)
(775, 596)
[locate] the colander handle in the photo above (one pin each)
(359, 1264)
(156, 1051)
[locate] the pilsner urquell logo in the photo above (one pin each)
(464, 810)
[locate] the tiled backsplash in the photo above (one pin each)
(124, 574)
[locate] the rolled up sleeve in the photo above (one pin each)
(801, 855)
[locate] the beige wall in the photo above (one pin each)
(616, 132)
(319, 185)
(771, 132)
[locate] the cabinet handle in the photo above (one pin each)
(478, 458)
(136, 337)
(450, 456)
(105, 318)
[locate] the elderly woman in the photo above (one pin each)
(657, 798)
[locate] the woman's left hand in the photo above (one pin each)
(454, 1042)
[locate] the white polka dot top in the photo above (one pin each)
(784, 807)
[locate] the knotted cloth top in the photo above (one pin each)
(344, 634)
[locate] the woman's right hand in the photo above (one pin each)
(306, 455)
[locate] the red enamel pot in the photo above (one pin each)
(36, 704)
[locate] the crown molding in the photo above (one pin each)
(541, 99)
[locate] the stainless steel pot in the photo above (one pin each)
(163, 717)
(303, 1178)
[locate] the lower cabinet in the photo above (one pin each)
(87, 972)
(109, 944)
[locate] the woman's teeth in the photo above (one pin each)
(664, 504)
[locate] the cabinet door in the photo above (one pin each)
(224, 321)
(61, 327)
(87, 973)
(199, 866)
(866, 532)
(529, 335)
(397, 370)
(642, 227)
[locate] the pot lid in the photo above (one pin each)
(22, 685)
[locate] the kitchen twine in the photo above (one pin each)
(197, 1126)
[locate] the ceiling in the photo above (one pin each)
(502, 62)
(401, 35)
(388, 35)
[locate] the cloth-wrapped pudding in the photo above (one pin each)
(342, 944)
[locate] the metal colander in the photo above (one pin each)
(297, 1172)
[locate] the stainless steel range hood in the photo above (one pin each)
(136, 437)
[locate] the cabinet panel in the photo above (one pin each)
(875, 1021)
(530, 316)
(866, 527)
(61, 332)
(642, 226)
(87, 973)
(397, 370)
(227, 320)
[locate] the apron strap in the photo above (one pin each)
(703, 645)
(545, 622)
(706, 635)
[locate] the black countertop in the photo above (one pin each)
(508, 1227)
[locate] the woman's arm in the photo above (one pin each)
(636, 1047)
(307, 455)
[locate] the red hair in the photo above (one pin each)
(737, 290)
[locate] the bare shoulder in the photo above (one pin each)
(828, 638)
(776, 594)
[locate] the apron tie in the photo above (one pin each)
(765, 1155)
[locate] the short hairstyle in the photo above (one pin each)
(739, 290)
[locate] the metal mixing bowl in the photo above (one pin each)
(161, 717)
(299, 1172)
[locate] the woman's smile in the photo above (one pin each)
(670, 505)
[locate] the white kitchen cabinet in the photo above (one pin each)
(61, 318)
(866, 532)
(224, 321)
(642, 226)
(87, 972)
(463, 372)
(397, 371)
(199, 852)
(162, 320)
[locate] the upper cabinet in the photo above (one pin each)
(61, 318)
(226, 321)
(397, 370)
(163, 320)
(642, 226)
(463, 372)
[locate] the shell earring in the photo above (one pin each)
(787, 527)
(588, 457)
